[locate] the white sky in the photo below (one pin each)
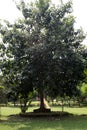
(9, 12)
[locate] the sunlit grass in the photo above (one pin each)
(6, 111)
(73, 110)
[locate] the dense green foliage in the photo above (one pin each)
(3, 98)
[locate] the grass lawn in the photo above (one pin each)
(73, 110)
(6, 111)
(65, 123)
(68, 123)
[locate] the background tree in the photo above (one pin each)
(13, 63)
(3, 99)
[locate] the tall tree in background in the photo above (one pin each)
(42, 51)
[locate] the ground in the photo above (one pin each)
(76, 122)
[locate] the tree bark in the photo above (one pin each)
(42, 104)
(62, 106)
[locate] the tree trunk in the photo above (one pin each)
(14, 102)
(42, 105)
(24, 106)
(62, 106)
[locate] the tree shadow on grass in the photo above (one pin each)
(70, 123)
(66, 123)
